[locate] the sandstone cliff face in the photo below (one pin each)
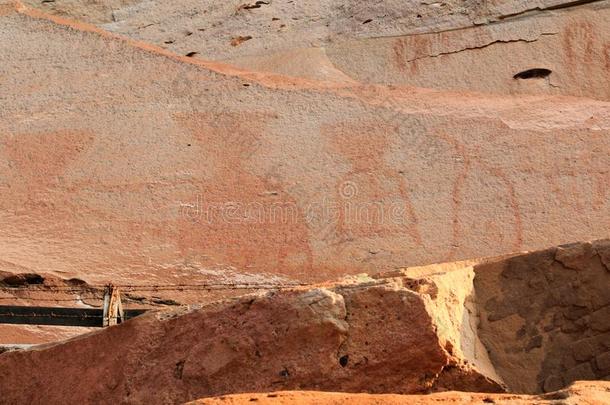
(272, 145)
(476, 326)
(458, 45)
(555, 52)
(176, 169)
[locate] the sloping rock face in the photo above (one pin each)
(470, 326)
(172, 169)
(585, 393)
(426, 44)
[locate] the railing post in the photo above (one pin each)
(113, 308)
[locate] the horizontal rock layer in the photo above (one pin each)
(585, 393)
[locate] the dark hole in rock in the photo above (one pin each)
(258, 4)
(367, 21)
(535, 73)
(34, 279)
(76, 281)
(343, 360)
(191, 54)
(23, 279)
(179, 369)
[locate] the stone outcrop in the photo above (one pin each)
(527, 323)
(378, 338)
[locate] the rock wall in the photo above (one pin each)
(549, 322)
(179, 170)
(564, 51)
(458, 45)
(268, 145)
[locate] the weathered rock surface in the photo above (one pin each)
(470, 326)
(555, 52)
(458, 45)
(172, 169)
(585, 393)
(218, 147)
(549, 322)
(317, 339)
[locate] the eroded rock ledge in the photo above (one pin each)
(581, 393)
(527, 323)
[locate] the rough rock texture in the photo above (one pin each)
(425, 44)
(171, 169)
(37, 334)
(549, 323)
(94, 11)
(193, 151)
(581, 393)
(560, 52)
(471, 326)
(318, 339)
